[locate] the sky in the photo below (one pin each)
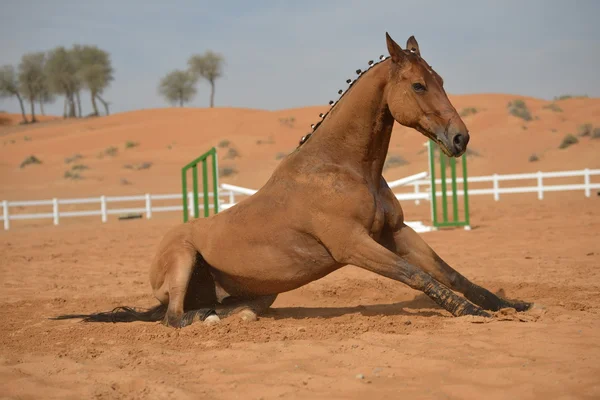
(287, 54)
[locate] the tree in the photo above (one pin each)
(178, 87)
(61, 73)
(208, 66)
(9, 86)
(95, 71)
(31, 78)
(45, 96)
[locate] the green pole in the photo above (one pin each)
(443, 178)
(454, 193)
(465, 189)
(195, 182)
(205, 187)
(433, 194)
(215, 171)
(185, 196)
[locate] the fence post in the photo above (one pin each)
(540, 186)
(5, 215)
(55, 210)
(191, 202)
(417, 201)
(148, 206)
(103, 208)
(586, 180)
(231, 197)
(496, 193)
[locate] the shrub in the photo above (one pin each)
(465, 112)
(231, 154)
(72, 175)
(227, 171)
(27, 138)
(393, 161)
(568, 141)
(79, 167)
(584, 130)
(519, 109)
(596, 133)
(533, 158)
(224, 143)
(137, 167)
(570, 96)
(129, 144)
(268, 141)
(74, 157)
(553, 107)
(111, 151)
(125, 182)
(30, 161)
(289, 121)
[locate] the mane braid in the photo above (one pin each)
(343, 93)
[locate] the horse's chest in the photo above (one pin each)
(378, 220)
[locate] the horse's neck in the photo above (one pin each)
(357, 130)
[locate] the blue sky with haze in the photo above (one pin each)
(284, 54)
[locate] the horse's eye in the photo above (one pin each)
(417, 87)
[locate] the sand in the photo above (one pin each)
(169, 138)
(350, 335)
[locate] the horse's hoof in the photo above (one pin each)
(521, 306)
(476, 311)
(212, 319)
(248, 315)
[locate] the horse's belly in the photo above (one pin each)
(271, 266)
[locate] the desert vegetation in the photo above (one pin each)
(287, 121)
(519, 109)
(42, 76)
(465, 112)
(179, 86)
(553, 107)
(30, 161)
(570, 96)
(393, 161)
(227, 171)
(231, 154)
(568, 140)
(224, 143)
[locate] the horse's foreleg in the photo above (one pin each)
(366, 253)
(412, 248)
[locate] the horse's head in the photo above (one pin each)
(416, 99)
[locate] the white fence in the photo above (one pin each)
(227, 196)
(543, 184)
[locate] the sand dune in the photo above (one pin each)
(168, 138)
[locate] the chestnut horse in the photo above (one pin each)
(325, 206)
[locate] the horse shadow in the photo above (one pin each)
(429, 309)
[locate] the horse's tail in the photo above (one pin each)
(121, 314)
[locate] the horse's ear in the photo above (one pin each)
(394, 49)
(412, 45)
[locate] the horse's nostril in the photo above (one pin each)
(458, 141)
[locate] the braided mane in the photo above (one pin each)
(342, 93)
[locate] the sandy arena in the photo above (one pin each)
(351, 335)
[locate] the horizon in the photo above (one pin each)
(312, 48)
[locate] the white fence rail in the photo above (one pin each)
(542, 184)
(421, 190)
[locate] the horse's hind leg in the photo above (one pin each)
(408, 244)
(247, 309)
(186, 284)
